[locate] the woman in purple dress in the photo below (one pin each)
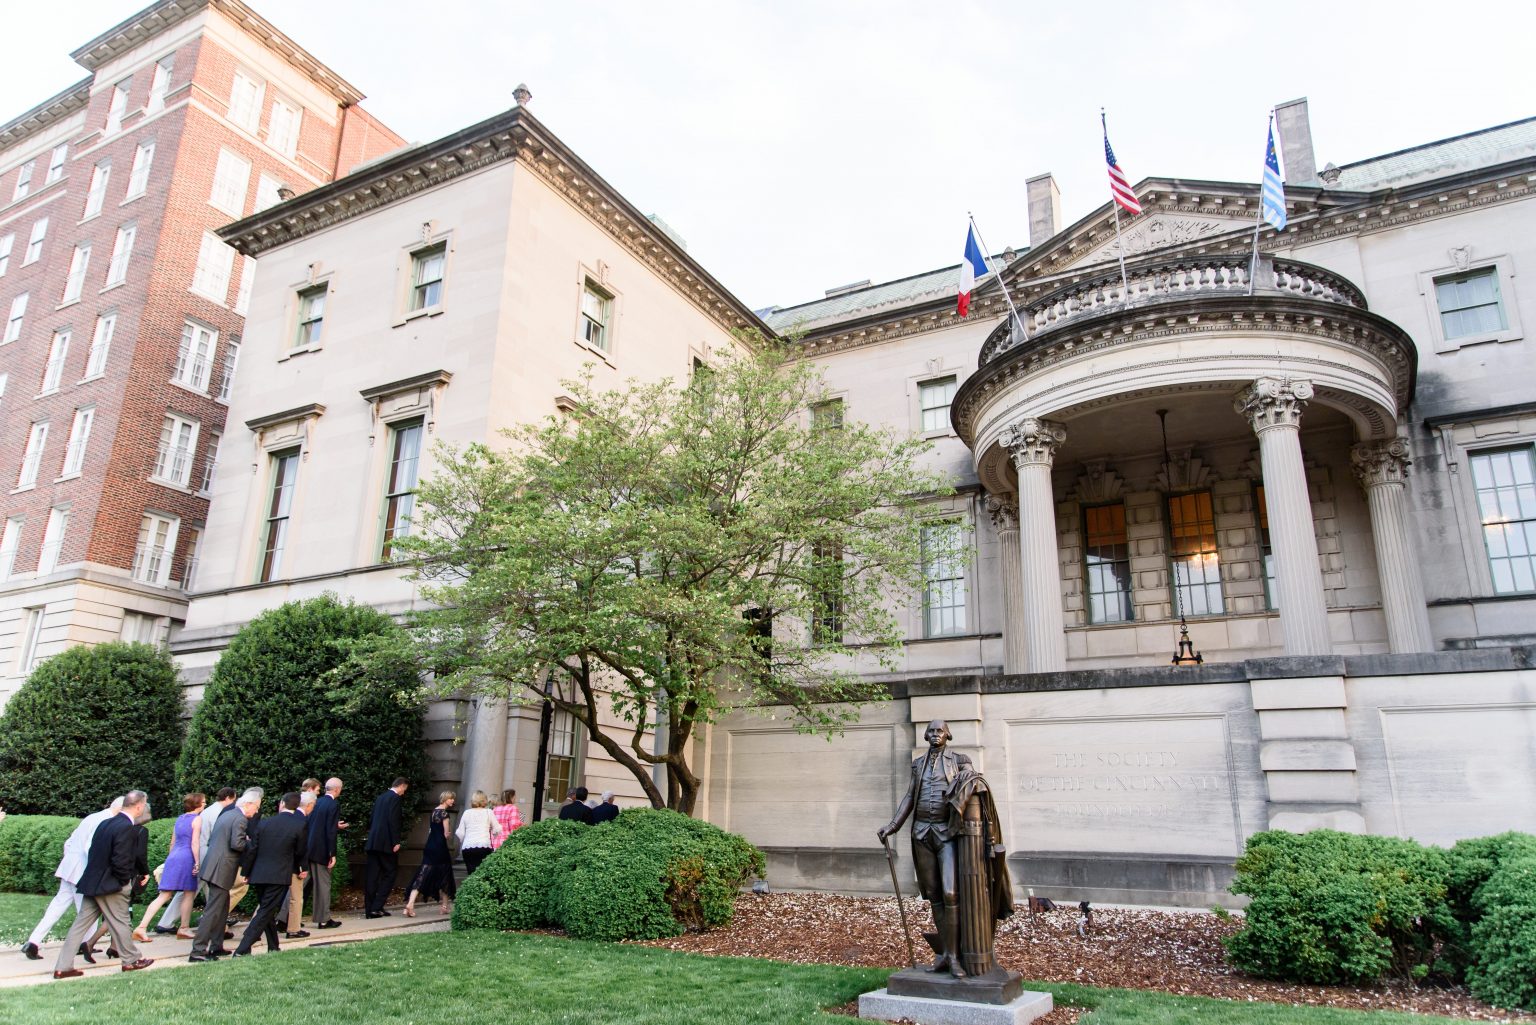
(179, 873)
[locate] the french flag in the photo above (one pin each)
(974, 266)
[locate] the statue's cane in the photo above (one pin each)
(906, 932)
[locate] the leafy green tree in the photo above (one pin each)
(277, 710)
(669, 550)
(90, 723)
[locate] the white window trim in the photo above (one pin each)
(58, 517)
(1504, 268)
(190, 449)
(937, 370)
(117, 263)
(956, 512)
(7, 244)
(10, 544)
(22, 482)
(101, 173)
(97, 344)
(406, 274)
(598, 277)
(218, 250)
(31, 638)
(1459, 442)
(171, 538)
(13, 317)
(190, 384)
(79, 441)
(54, 368)
(35, 238)
(138, 173)
(235, 160)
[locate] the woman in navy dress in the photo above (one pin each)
(434, 880)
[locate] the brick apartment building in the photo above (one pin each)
(121, 311)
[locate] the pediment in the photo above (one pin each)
(1155, 230)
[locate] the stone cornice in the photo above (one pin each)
(428, 379)
(46, 113)
(512, 135)
(304, 412)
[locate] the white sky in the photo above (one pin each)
(798, 146)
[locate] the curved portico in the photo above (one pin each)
(1235, 362)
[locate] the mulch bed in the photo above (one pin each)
(1178, 952)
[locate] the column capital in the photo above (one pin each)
(1004, 513)
(1033, 442)
(1378, 463)
(1273, 402)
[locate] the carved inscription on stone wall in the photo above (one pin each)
(1139, 785)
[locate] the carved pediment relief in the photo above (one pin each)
(1156, 231)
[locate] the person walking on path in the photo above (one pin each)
(71, 865)
(320, 850)
(104, 886)
(478, 832)
(179, 873)
(292, 912)
(274, 857)
(606, 810)
(383, 847)
(220, 868)
(507, 817)
(434, 879)
(223, 798)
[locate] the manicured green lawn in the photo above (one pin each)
(443, 978)
(19, 912)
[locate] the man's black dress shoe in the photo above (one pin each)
(30, 949)
(301, 934)
(332, 924)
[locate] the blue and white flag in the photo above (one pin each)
(1272, 193)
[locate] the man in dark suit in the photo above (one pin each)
(274, 856)
(575, 808)
(321, 850)
(220, 867)
(103, 888)
(384, 836)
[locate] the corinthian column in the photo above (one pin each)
(1382, 467)
(1005, 520)
(1273, 407)
(1032, 444)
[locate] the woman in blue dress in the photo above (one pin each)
(179, 873)
(434, 880)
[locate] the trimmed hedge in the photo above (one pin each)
(32, 845)
(646, 875)
(90, 723)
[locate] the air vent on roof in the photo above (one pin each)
(845, 289)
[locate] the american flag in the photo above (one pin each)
(1272, 192)
(1119, 186)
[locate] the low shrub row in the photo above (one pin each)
(645, 875)
(1330, 907)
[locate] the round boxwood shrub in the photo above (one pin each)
(274, 712)
(514, 887)
(88, 724)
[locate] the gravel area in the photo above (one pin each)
(1176, 952)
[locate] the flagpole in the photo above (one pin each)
(1114, 204)
(986, 255)
(1258, 224)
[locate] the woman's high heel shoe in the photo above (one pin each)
(86, 952)
(410, 912)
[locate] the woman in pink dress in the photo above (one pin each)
(507, 817)
(179, 873)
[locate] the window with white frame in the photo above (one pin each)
(194, 357)
(283, 127)
(5, 379)
(215, 261)
(400, 485)
(24, 180)
(194, 552)
(596, 316)
(827, 416)
(10, 540)
(156, 548)
(138, 177)
(266, 192)
(79, 263)
(231, 176)
(58, 354)
(122, 249)
(35, 241)
(139, 628)
(284, 471)
(311, 317)
(944, 583)
(117, 107)
(160, 83)
(933, 398)
(53, 540)
(32, 458)
(178, 443)
(231, 362)
(31, 639)
(247, 282)
(210, 463)
(1193, 559)
(427, 266)
(14, 320)
(1470, 304)
(6, 245)
(96, 195)
(101, 345)
(1505, 482)
(79, 440)
(245, 102)
(56, 163)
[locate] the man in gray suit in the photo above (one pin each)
(220, 866)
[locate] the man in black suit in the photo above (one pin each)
(219, 869)
(321, 850)
(575, 808)
(384, 847)
(103, 888)
(274, 856)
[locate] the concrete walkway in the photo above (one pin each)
(169, 952)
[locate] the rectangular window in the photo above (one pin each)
(31, 639)
(1192, 555)
(138, 177)
(1107, 564)
(173, 458)
(96, 195)
(1470, 304)
(231, 176)
(101, 345)
(283, 127)
(400, 489)
(266, 192)
(1266, 550)
(79, 440)
(5, 253)
(245, 102)
(934, 397)
(827, 584)
(285, 470)
(10, 540)
(944, 589)
(427, 276)
(32, 459)
(35, 242)
(231, 361)
(215, 261)
(79, 263)
(827, 416)
(53, 540)
(210, 462)
(311, 317)
(13, 322)
(24, 180)
(596, 314)
(562, 747)
(53, 370)
(122, 249)
(160, 83)
(117, 107)
(247, 280)
(156, 548)
(56, 163)
(139, 628)
(194, 552)
(1505, 481)
(194, 359)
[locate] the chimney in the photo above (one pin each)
(1296, 142)
(1044, 208)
